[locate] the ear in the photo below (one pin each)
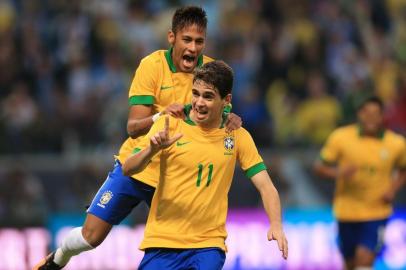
(171, 37)
(227, 99)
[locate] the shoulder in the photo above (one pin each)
(345, 131)
(242, 135)
(154, 58)
(207, 59)
(395, 138)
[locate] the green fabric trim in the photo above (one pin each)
(200, 60)
(136, 150)
(141, 100)
(186, 110)
(255, 169)
(168, 56)
(227, 108)
(379, 135)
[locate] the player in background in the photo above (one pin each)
(363, 158)
(161, 85)
(186, 222)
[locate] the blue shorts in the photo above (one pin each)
(118, 196)
(183, 259)
(368, 234)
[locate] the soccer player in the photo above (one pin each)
(161, 84)
(362, 158)
(186, 222)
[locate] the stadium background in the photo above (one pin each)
(300, 68)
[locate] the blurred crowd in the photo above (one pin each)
(301, 68)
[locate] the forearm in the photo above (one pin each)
(399, 181)
(325, 171)
(272, 205)
(136, 163)
(138, 127)
(269, 196)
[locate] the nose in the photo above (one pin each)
(192, 47)
(200, 101)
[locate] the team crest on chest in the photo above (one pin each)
(228, 145)
(384, 154)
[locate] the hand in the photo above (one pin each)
(276, 233)
(347, 172)
(233, 122)
(161, 139)
(175, 110)
(388, 196)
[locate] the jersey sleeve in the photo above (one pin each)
(143, 86)
(401, 161)
(247, 154)
(331, 149)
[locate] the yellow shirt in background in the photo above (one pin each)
(359, 198)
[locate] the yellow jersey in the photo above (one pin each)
(359, 198)
(189, 207)
(157, 83)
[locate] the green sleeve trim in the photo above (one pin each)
(141, 100)
(255, 169)
(136, 150)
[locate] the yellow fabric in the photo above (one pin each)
(359, 197)
(316, 118)
(189, 211)
(154, 79)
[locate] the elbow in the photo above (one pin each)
(132, 131)
(126, 170)
(316, 168)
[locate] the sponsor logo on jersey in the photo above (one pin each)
(181, 143)
(165, 87)
(384, 154)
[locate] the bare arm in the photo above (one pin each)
(158, 141)
(137, 162)
(272, 205)
(139, 120)
(332, 171)
(397, 184)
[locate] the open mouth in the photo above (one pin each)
(188, 61)
(200, 114)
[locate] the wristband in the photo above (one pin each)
(155, 117)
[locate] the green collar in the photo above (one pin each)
(379, 135)
(168, 56)
(189, 121)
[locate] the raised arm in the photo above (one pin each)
(160, 140)
(272, 205)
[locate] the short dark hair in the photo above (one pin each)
(371, 99)
(218, 74)
(187, 16)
